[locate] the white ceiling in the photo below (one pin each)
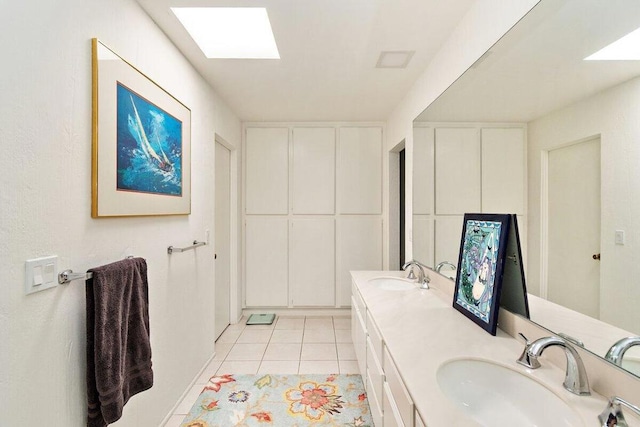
(538, 66)
(328, 50)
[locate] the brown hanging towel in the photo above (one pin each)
(118, 342)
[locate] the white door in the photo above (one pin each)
(222, 238)
(573, 278)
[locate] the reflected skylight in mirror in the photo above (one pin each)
(626, 48)
(230, 32)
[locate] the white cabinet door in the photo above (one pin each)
(266, 261)
(423, 239)
(360, 170)
(457, 163)
(312, 264)
(423, 170)
(503, 170)
(314, 170)
(267, 171)
(359, 247)
(448, 236)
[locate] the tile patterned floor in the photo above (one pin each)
(291, 345)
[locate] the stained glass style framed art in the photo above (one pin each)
(480, 268)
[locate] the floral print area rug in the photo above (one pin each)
(281, 400)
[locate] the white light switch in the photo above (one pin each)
(619, 237)
(41, 274)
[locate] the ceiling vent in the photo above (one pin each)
(395, 58)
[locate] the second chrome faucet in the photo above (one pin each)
(576, 376)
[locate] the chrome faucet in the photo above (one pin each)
(423, 279)
(616, 352)
(612, 414)
(576, 376)
(442, 264)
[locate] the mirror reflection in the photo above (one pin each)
(533, 128)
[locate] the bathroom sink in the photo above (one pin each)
(495, 395)
(393, 283)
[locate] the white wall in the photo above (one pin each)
(481, 27)
(612, 114)
(45, 135)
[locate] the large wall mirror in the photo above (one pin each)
(535, 129)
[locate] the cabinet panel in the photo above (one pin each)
(359, 247)
(360, 171)
(503, 170)
(312, 259)
(399, 392)
(390, 411)
(267, 170)
(423, 162)
(266, 261)
(314, 170)
(359, 334)
(448, 236)
(423, 239)
(457, 170)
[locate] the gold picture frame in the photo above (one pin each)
(141, 142)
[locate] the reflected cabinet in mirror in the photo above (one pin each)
(536, 129)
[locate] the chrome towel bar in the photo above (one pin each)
(196, 244)
(68, 275)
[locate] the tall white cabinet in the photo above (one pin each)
(313, 212)
(464, 168)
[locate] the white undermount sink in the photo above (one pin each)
(393, 283)
(495, 395)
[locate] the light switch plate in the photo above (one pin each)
(40, 274)
(619, 237)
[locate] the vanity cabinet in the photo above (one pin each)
(390, 401)
(312, 212)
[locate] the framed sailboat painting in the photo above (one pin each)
(141, 151)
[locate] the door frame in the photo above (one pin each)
(544, 208)
(235, 308)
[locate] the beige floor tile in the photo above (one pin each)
(318, 367)
(349, 366)
(342, 322)
(246, 352)
(254, 336)
(346, 351)
(277, 351)
(222, 349)
(319, 335)
(290, 323)
(312, 351)
(282, 336)
(174, 421)
(229, 336)
(343, 335)
(279, 367)
(318, 323)
(190, 398)
(249, 367)
(209, 371)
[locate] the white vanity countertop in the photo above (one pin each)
(422, 331)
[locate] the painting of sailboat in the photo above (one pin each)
(149, 146)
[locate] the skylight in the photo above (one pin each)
(230, 32)
(625, 49)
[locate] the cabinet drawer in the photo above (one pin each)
(398, 390)
(359, 335)
(374, 370)
(374, 404)
(376, 337)
(392, 417)
(359, 302)
(419, 422)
